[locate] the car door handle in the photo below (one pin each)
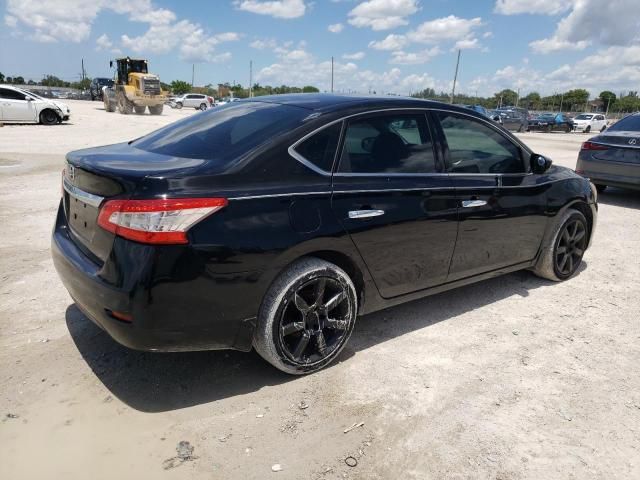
(473, 203)
(365, 213)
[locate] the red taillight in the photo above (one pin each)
(593, 146)
(161, 221)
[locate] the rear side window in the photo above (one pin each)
(398, 143)
(630, 123)
(224, 133)
(478, 148)
(320, 148)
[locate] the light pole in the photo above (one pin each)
(455, 78)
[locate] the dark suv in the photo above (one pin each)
(95, 89)
(514, 118)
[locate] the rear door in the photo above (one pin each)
(15, 107)
(390, 194)
(501, 204)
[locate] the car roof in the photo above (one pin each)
(328, 102)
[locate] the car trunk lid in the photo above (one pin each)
(93, 176)
(623, 147)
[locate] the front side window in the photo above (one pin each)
(320, 148)
(394, 143)
(474, 147)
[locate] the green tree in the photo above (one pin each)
(608, 98)
(53, 81)
(505, 97)
(18, 80)
(532, 101)
(309, 89)
(1, 77)
(179, 87)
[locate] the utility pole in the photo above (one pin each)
(193, 73)
(331, 74)
(561, 100)
(518, 98)
(250, 78)
(83, 73)
(455, 78)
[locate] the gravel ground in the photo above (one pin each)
(511, 378)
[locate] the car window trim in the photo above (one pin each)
(293, 153)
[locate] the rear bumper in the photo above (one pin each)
(614, 174)
(193, 309)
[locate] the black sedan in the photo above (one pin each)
(550, 122)
(95, 88)
(613, 157)
(274, 222)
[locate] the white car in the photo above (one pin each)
(590, 122)
(193, 100)
(20, 106)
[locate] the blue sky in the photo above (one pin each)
(398, 46)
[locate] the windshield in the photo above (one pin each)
(224, 133)
(630, 123)
(584, 117)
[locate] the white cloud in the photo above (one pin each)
(442, 29)
(335, 27)
(413, 58)
(390, 42)
(382, 14)
(303, 69)
(612, 68)
(544, 7)
(193, 43)
(262, 44)
(10, 21)
(71, 20)
(589, 23)
(353, 56)
(467, 44)
(279, 9)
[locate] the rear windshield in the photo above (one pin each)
(630, 124)
(224, 133)
(584, 117)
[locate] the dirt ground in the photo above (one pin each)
(511, 378)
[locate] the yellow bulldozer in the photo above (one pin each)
(134, 88)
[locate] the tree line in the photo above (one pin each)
(570, 101)
(179, 87)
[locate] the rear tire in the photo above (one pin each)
(140, 110)
(565, 247)
(588, 129)
(306, 317)
(48, 117)
(203, 106)
(603, 129)
(179, 105)
(108, 106)
(600, 187)
(156, 110)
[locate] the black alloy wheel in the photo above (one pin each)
(570, 246)
(315, 320)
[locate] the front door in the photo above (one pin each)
(390, 194)
(15, 107)
(501, 204)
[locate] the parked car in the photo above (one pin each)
(273, 223)
(95, 88)
(193, 100)
(487, 113)
(495, 116)
(20, 106)
(550, 122)
(514, 118)
(613, 157)
(588, 122)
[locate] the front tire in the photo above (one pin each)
(563, 253)
(156, 109)
(203, 106)
(139, 110)
(179, 105)
(48, 117)
(600, 187)
(124, 105)
(306, 317)
(588, 129)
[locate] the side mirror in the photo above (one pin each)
(539, 164)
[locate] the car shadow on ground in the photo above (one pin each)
(619, 197)
(156, 382)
